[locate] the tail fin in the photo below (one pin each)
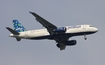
(18, 26)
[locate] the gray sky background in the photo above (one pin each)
(60, 13)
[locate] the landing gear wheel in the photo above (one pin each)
(85, 37)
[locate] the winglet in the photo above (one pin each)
(33, 13)
(30, 12)
(12, 31)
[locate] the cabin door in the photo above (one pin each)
(84, 26)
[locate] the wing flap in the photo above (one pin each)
(61, 45)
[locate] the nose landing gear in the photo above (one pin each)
(85, 37)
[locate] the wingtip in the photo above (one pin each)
(30, 12)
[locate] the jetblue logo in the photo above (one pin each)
(19, 28)
(78, 26)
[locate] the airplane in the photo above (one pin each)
(51, 32)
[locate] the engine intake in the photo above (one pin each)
(71, 42)
(60, 30)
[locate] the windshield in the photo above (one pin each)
(90, 26)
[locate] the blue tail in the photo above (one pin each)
(18, 26)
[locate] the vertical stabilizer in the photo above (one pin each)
(18, 26)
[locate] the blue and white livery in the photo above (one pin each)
(18, 26)
(60, 34)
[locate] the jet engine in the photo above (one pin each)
(68, 43)
(71, 42)
(60, 30)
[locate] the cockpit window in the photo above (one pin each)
(90, 26)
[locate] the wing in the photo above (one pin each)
(50, 27)
(61, 43)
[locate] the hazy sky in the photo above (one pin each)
(60, 13)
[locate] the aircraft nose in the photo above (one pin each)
(96, 29)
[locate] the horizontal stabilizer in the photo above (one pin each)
(12, 31)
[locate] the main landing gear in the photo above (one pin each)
(85, 37)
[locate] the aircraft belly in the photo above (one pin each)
(38, 36)
(80, 33)
(51, 37)
(77, 32)
(45, 35)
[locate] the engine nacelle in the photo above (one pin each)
(71, 42)
(60, 30)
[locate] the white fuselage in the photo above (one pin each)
(44, 34)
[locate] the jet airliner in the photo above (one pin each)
(60, 34)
